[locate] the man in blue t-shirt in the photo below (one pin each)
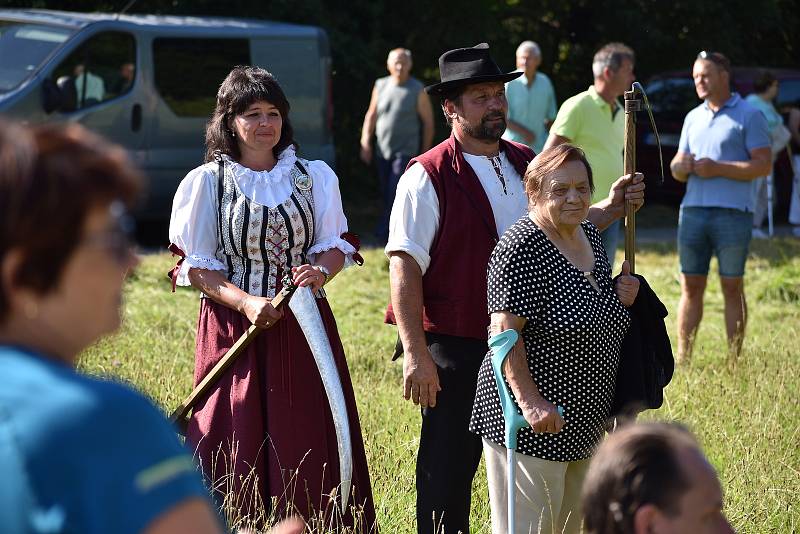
(724, 145)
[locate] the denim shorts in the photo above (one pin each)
(724, 232)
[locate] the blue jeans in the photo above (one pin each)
(703, 232)
(389, 172)
(610, 237)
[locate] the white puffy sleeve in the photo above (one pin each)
(193, 223)
(329, 220)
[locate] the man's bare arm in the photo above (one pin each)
(369, 127)
(759, 164)
(517, 128)
(555, 140)
(605, 212)
(681, 166)
(420, 376)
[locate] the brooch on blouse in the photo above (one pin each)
(303, 181)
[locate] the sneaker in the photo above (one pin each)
(796, 231)
(758, 233)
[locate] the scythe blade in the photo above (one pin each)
(303, 305)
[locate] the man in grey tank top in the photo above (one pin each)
(398, 110)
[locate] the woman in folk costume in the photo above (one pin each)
(251, 214)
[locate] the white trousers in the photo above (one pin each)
(761, 201)
(548, 495)
(794, 205)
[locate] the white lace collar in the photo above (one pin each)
(246, 176)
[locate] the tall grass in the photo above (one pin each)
(746, 415)
(241, 504)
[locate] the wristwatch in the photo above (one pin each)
(325, 272)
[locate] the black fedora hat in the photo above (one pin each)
(463, 66)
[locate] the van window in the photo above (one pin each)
(192, 91)
(23, 47)
(100, 69)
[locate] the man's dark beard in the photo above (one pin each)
(484, 131)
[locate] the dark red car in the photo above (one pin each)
(672, 96)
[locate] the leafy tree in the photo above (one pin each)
(665, 36)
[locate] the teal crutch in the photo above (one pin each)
(501, 345)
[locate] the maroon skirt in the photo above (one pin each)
(264, 436)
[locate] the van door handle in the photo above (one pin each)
(136, 117)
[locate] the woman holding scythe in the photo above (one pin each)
(252, 214)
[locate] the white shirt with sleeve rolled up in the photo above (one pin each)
(193, 224)
(415, 213)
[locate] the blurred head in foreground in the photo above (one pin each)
(652, 478)
(64, 236)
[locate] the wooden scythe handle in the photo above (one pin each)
(632, 105)
(180, 416)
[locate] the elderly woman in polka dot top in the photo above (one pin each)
(550, 279)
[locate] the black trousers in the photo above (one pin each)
(449, 453)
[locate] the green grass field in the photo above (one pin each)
(747, 415)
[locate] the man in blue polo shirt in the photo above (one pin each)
(724, 146)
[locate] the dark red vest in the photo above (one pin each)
(454, 286)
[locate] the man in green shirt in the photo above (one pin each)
(595, 121)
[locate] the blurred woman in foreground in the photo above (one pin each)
(78, 454)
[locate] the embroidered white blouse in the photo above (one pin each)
(193, 224)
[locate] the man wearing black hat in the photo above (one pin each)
(452, 204)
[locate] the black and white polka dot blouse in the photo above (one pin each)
(572, 339)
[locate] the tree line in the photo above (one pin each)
(665, 35)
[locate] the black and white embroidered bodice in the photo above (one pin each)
(260, 244)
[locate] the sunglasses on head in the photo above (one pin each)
(716, 58)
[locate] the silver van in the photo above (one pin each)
(149, 82)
